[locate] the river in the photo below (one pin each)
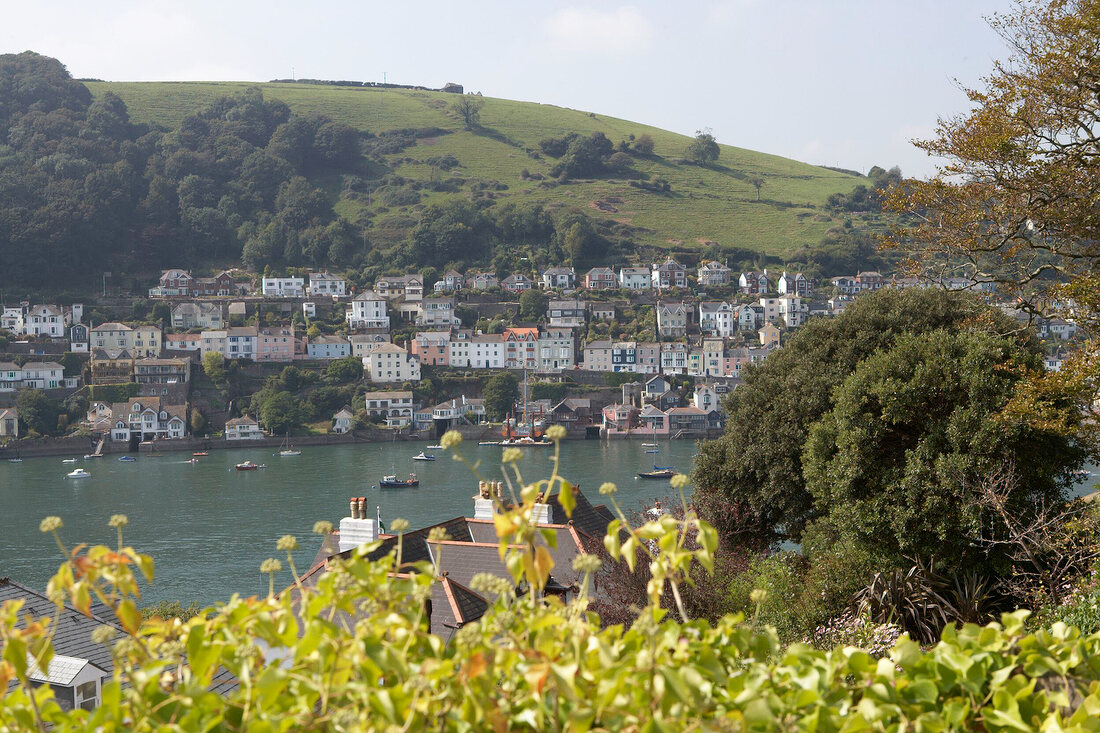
(208, 527)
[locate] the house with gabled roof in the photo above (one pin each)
(243, 428)
(668, 274)
(343, 420)
(9, 422)
(558, 278)
(600, 278)
(713, 273)
(517, 283)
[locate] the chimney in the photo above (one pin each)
(356, 529)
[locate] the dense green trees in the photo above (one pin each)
(37, 411)
(759, 464)
(501, 393)
(532, 305)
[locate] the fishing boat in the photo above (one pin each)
(658, 472)
(249, 466)
(200, 453)
(422, 456)
(78, 473)
(392, 482)
(288, 448)
(127, 459)
(68, 460)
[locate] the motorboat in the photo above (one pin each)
(658, 472)
(15, 460)
(68, 460)
(192, 460)
(92, 455)
(1080, 475)
(435, 447)
(200, 453)
(78, 473)
(249, 466)
(392, 482)
(422, 456)
(127, 459)
(653, 450)
(489, 442)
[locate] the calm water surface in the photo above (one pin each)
(208, 527)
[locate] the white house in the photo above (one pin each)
(213, 341)
(706, 398)
(9, 423)
(635, 278)
(391, 363)
(324, 284)
(240, 342)
(43, 375)
(326, 346)
(396, 407)
(368, 310)
(243, 428)
(45, 320)
(477, 351)
(556, 349)
(451, 281)
(717, 318)
(145, 418)
(558, 278)
(342, 421)
(284, 287)
(436, 312)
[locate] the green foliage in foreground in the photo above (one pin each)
(529, 664)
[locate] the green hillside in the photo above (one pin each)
(716, 204)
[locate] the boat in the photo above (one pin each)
(92, 455)
(658, 472)
(422, 456)
(525, 440)
(288, 448)
(200, 453)
(78, 473)
(249, 466)
(392, 482)
(192, 460)
(1080, 475)
(68, 460)
(489, 442)
(15, 460)
(435, 447)
(127, 459)
(653, 450)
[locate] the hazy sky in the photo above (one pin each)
(836, 82)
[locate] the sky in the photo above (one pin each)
(832, 82)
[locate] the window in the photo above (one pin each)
(87, 695)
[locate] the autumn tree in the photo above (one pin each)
(1016, 199)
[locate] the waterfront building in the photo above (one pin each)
(243, 428)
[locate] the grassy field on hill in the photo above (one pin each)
(716, 204)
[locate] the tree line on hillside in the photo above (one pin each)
(245, 179)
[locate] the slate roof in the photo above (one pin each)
(72, 630)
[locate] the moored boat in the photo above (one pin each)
(78, 473)
(200, 453)
(526, 441)
(422, 456)
(392, 482)
(435, 447)
(249, 466)
(68, 460)
(658, 472)
(288, 448)
(127, 459)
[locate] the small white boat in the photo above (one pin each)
(92, 455)
(435, 447)
(15, 460)
(78, 473)
(68, 460)
(422, 456)
(489, 442)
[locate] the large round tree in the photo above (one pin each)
(757, 466)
